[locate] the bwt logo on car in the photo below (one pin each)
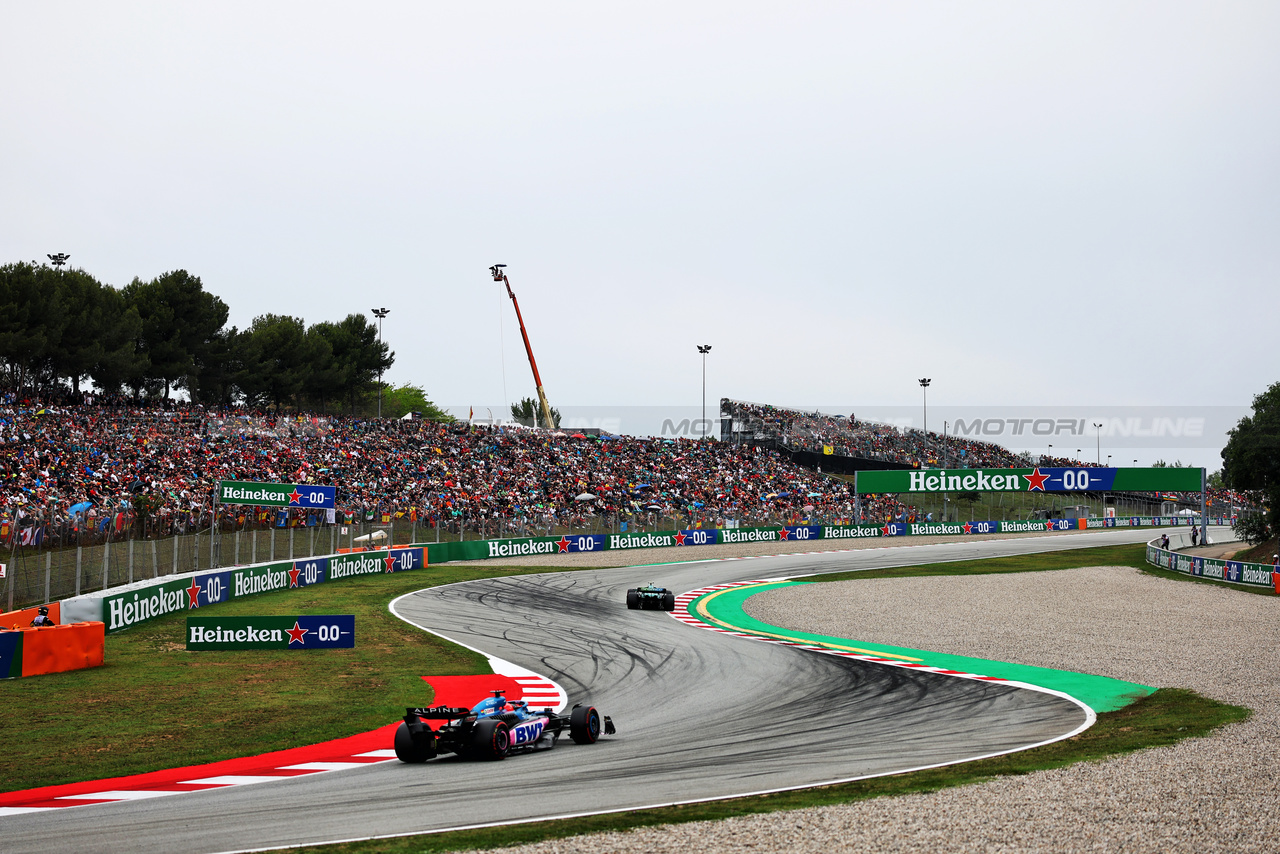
(527, 733)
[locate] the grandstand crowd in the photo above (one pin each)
(101, 470)
(85, 470)
(848, 437)
(834, 434)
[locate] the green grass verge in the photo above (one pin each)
(1261, 553)
(1165, 717)
(155, 705)
(1133, 555)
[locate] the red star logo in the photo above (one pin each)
(680, 535)
(563, 544)
(295, 497)
(293, 576)
(194, 592)
(1036, 480)
(885, 530)
(782, 533)
(967, 527)
(296, 633)
(390, 561)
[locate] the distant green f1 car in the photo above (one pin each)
(651, 598)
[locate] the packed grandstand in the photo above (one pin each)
(848, 437)
(85, 472)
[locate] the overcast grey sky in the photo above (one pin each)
(1030, 203)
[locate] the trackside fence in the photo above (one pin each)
(156, 588)
(34, 576)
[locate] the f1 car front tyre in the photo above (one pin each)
(407, 750)
(491, 739)
(668, 601)
(584, 725)
(633, 599)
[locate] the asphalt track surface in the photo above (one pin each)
(699, 715)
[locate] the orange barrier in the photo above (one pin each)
(381, 548)
(22, 619)
(57, 649)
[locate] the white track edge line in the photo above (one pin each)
(563, 697)
(661, 805)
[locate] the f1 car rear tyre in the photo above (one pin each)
(669, 601)
(584, 725)
(406, 750)
(491, 739)
(633, 599)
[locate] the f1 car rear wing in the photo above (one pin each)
(438, 713)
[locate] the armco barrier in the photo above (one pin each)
(1233, 571)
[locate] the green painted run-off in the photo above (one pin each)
(1100, 693)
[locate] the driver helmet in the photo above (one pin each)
(44, 610)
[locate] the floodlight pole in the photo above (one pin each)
(924, 385)
(1098, 430)
(704, 349)
(380, 313)
(500, 275)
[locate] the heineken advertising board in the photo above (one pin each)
(329, 631)
(141, 602)
(1042, 479)
(1234, 571)
(305, 495)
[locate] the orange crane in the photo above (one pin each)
(499, 275)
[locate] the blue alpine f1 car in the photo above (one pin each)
(493, 728)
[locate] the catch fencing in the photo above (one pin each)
(35, 576)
